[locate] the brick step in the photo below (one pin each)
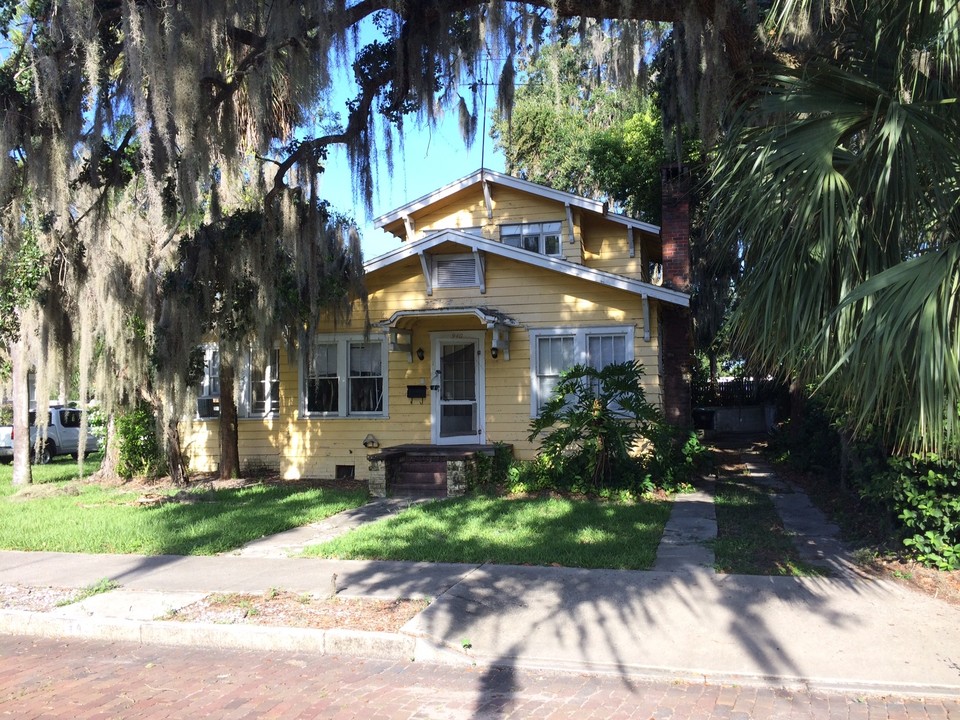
(425, 478)
(415, 490)
(423, 466)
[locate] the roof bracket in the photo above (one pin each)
(425, 266)
(646, 317)
(570, 221)
(633, 244)
(478, 259)
(410, 227)
(487, 199)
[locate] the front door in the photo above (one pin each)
(457, 397)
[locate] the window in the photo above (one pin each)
(543, 238)
(557, 349)
(70, 418)
(323, 384)
(208, 391)
(344, 377)
(261, 392)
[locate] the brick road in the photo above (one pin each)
(80, 680)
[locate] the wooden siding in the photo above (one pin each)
(606, 246)
(510, 207)
(536, 298)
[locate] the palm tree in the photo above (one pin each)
(839, 182)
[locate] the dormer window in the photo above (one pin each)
(542, 238)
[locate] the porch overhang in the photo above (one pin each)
(491, 319)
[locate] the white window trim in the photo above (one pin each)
(580, 335)
(541, 236)
(208, 350)
(245, 406)
(343, 343)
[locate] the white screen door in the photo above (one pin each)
(458, 399)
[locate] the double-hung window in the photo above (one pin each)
(208, 391)
(542, 238)
(344, 377)
(260, 394)
(554, 350)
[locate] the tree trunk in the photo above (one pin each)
(798, 401)
(229, 444)
(111, 454)
(22, 472)
(175, 463)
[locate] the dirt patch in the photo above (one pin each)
(291, 610)
(940, 584)
(273, 608)
(210, 481)
(34, 599)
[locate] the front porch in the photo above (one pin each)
(424, 470)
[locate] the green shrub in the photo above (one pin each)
(485, 472)
(593, 421)
(677, 456)
(139, 451)
(810, 443)
(527, 477)
(926, 497)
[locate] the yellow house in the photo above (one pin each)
(499, 285)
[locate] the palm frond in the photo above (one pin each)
(838, 185)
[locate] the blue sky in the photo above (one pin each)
(423, 160)
(427, 160)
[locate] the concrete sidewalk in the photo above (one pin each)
(680, 620)
(837, 633)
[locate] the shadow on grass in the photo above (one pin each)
(512, 531)
(97, 520)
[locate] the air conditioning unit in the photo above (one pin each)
(208, 407)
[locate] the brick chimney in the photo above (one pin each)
(675, 226)
(675, 321)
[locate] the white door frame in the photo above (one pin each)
(458, 336)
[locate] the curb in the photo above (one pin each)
(354, 643)
(407, 648)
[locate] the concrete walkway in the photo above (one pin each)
(293, 541)
(679, 620)
(693, 523)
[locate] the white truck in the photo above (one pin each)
(63, 435)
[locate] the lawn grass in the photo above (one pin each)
(60, 470)
(751, 539)
(554, 531)
(80, 517)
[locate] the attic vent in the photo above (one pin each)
(454, 271)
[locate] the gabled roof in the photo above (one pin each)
(477, 244)
(495, 178)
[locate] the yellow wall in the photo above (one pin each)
(467, 209)
(534, 297)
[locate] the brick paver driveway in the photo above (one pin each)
(80, 680)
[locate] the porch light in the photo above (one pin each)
(501, 341)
